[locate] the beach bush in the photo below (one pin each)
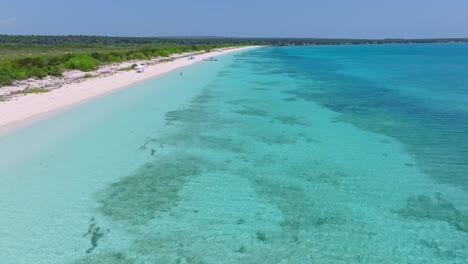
(113, 57)
(6, 77)
(163, 53)
(13, 71)
(54, 71)
(55, 60)
(138, 56)
(88, 75)
(38, 72)
(30, 91)
(37, 56)
(31, 62)
(98, 56)
(148, 51)
(173, 49)
(82, 62)
(20, 73)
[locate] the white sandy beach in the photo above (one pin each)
(30, 106)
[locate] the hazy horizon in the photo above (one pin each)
(240, 37)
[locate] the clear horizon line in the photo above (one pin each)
(208, 36)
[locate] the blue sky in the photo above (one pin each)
(238, 18)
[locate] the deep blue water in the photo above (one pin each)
(417, 94)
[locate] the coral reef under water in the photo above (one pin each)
(104, 258)
(439, 250)
(251, 111)
(153, 188)
(290, 120)
(437, 208)
(95, 233)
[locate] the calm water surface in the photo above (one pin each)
(329, 154)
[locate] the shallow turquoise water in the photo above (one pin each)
(346, 154)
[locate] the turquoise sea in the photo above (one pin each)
(323, 154)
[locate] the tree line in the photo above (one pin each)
(40, 65)
(86, 40)
(22, 57)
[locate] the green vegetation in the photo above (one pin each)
(132, 67)
(28, 67)
(82, 62)
(30, 91)
(22, 57)
(88, 75)
(138, 56)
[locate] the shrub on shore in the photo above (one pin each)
(5, 76)
(30, 91)
(82, 62)
(12, 71)
(42, 65)
(138, 56)
(163, 53)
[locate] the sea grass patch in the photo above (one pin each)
(290, 120)
(251, 111)
(151, 189)
(422, 207)
(300, 212)
(104, 258)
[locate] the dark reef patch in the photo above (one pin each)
(275, 139)
(261, 89)
(104, 258)
(238, 102)
(192, 137)
(223, 74)
(190, 115)
(318, 173)
(251, 111)
(300, 212)
(290, 120)
(153, 188)
(290, 99)
(438, 208)
(439, 250)
(266, 83)
(180, 243)
(206, 96)
(95, 233)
